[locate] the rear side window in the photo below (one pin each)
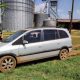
(50, 35)
(63, 34)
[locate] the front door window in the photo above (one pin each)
(34, 36)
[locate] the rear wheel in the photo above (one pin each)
(63, 54)
(7, 63)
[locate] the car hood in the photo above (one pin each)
(2, 44)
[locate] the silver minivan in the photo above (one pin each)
(33, 44)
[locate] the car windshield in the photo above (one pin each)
(13, 36)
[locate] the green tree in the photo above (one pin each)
(3, 5)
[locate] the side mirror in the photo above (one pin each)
(25, 42)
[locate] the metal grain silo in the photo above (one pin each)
(18, 14)
(49, 23)
(39, 18)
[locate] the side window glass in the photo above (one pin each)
(50, 35)
(18, 42)
(63, 34)
(34, 36)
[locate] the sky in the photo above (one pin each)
(64, 6)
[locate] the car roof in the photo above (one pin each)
(45, 28)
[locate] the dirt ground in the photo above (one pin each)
(75, 51)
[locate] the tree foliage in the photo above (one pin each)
(3, 5)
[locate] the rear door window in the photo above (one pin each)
(50, 35)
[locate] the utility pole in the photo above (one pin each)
(72, 10)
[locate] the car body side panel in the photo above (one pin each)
(26, 58)
(30, 48)
(9, 49)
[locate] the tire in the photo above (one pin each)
(63, 55)
(7, 63)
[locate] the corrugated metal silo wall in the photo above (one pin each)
(18, 15)
(49, 23)
(39, 18)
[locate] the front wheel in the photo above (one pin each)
(7, 63)
(63, 54)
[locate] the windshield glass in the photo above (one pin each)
(13, 36)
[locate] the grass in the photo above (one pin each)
(51, 69)
(76, 32)
(76, 40)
